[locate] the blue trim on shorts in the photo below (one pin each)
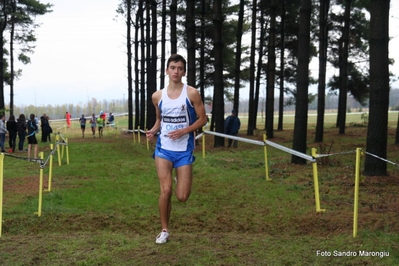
(178, 158)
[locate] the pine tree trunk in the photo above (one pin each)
(251, 109)
(321, 91)
(301, 108)
(202, 52)
(343, 70)
(12, 73)
(218, 76)
(163, 46)
(2, 63)
(377, 131)
(138, 27)
(152, 65)
(129, 65)
(173, 23)
(259, 69)
(142, 71)
(282, 62)
(237, 69)
(271, 71)
(191, 42)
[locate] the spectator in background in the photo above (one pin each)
(93, 124)
(68, 119)
(100, 125)
(44, 124)
(21, 128)
(110, 119)
(103, 115)
(231, 126)
(82, 122)
(32, 129)
(3, 131)
(12, 129)
(50, 129)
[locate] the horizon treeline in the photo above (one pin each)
(120, 107)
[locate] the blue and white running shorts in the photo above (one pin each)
(178, 158)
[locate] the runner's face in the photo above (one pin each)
(175, 71)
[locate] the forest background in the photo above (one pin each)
(350, 36)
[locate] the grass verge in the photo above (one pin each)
(102, 209)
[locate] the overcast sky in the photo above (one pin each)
(80, 54)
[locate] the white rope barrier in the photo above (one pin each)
(133, 131)
(256, 142)
(333, 154)
(49, 156)
(35, 160)
(42, 162)
(382, 159)
(199, 136)
(59, 128)
(274, 145)
(293, 152)
(263, 143)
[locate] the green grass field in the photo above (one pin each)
(102, 208)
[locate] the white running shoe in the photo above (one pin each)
(163, 237)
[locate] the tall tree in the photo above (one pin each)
(163, 45)
(148, 59)
(17, 14)
(12, 70)
(260, 68)
(142, 67)
(191, 42)
(301, 107)
(218, 98)
(205, 36)
(271, 71)
(4, 20)
(288, 68)
(237, 68)
(138, 28)
(354, 63)
(251, 107)
(282, 64)
(377, 131)
(202, 52)
(173, 24)
(321, 91)
(153, 58)
(129, 63)
(343, 69)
